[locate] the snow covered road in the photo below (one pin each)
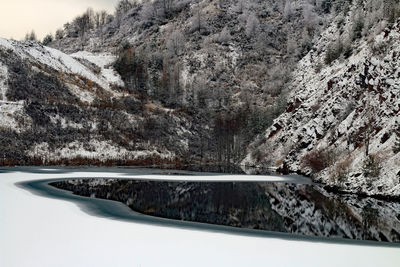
(40, 231)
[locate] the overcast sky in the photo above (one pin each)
(17, 17)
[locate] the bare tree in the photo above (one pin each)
(224, 36)
(288, 10)
(310, 18)
(100, 18)
(123, 6)
(31, 36)
(148, 11)
(197, 23)
(167, 7)
(240, 6)
(59, 34)
(252, 26)
(200, 91)
(369, 115)
(82, 24)
(175, 43)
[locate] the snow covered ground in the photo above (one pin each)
(104, 61)
(40, 231)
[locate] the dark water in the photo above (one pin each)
(306, 210)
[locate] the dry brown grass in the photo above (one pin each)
(150, 107)
(318, 160)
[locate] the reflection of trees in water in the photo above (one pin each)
(302, 209)
(311, 210)
(370, 218)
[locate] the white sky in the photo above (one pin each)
(17, 17)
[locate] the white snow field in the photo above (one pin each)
(40, 231)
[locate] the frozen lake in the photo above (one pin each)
(42, 231)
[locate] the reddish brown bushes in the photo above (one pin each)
(318, 160)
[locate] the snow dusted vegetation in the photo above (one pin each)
(100, 150)
(40, 231)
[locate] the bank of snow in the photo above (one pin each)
(39, 231)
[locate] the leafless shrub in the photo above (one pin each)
(318, 160)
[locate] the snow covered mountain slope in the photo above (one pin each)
(340, 123)
(57, 108)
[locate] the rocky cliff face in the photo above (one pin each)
(341, 121)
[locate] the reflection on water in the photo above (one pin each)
(293, 208)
